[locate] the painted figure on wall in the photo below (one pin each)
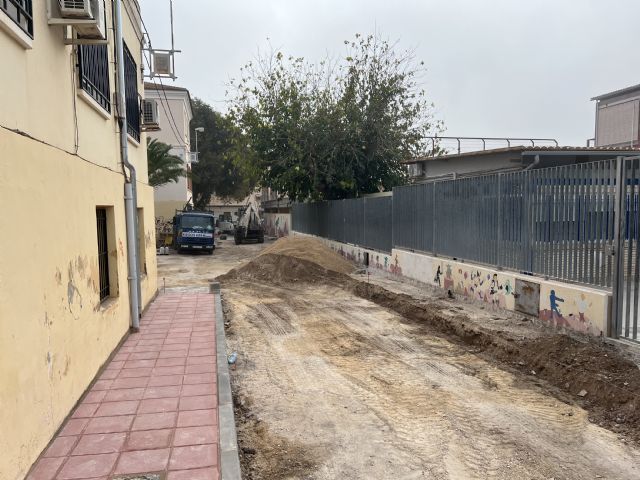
(507, 287)
(395, 268)
(448, 278)
(553, 303)
(582, 304)
(436, 280)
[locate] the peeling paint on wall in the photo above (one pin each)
(72, 289)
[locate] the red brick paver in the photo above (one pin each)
(154, 407)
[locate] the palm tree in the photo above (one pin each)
(164, 167)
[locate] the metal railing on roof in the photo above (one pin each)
(509, 141)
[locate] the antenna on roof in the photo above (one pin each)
(163, 61)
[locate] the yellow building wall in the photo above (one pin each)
(54, 332)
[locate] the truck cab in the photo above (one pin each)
(194, 231)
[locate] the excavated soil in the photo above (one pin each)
(311, 250)
(570, 365)
(585, 374)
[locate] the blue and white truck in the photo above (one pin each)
(195, 231)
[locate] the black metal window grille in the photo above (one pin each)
(103, 252)
(93, 68)
(131, 94)
(21, 12)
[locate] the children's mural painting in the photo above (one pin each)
(573, 309)
(471, 281)
(578, 309)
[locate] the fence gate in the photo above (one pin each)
(626, 282)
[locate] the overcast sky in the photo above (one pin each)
(495, 67)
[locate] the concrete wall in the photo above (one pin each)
(54, 331)
(277, 224)
(436, 167)
(562, 305)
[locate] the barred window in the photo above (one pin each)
(131, 95)
(21, 12)
(93, 68)
(103, 253)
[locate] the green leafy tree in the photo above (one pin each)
(164, 167)
(337, 129)
(224, 156)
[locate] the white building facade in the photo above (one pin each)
(173, 105)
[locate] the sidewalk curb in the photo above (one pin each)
(229, 459)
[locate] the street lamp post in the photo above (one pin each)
(198, 129)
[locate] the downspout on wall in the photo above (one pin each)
(130, 186)
(536, 161)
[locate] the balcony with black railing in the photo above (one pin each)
(131, 95)
(93, 70)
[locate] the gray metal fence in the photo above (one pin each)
(626, 290)
(363, 221)
(556, 222)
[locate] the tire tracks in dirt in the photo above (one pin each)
(370, 396)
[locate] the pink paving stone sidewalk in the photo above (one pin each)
(153, 409)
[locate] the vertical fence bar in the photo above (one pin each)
(636, 278)
(629, 176)
(636, 272)
(499, 262)
(586, 228)
(618, 282)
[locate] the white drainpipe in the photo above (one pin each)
(130, 186)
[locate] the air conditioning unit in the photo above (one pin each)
(97, 29)
(150, 120)
(162, 63)
(76, 8)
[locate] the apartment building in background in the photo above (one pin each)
(64, 294)
(618, 118)
(173, 107)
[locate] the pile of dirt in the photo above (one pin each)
(283, 270)
(312, 250)
(294, 259)
(591, 373)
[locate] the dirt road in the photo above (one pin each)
(329, 385)
(333, 386)
(195, 270)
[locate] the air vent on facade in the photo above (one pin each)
(97, 30)
(150, 115)
(162, 63)
(76, 8)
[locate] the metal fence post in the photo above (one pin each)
(393, 243)
(618, 251)
(433, 221)
(499, 241)
(364, 221)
